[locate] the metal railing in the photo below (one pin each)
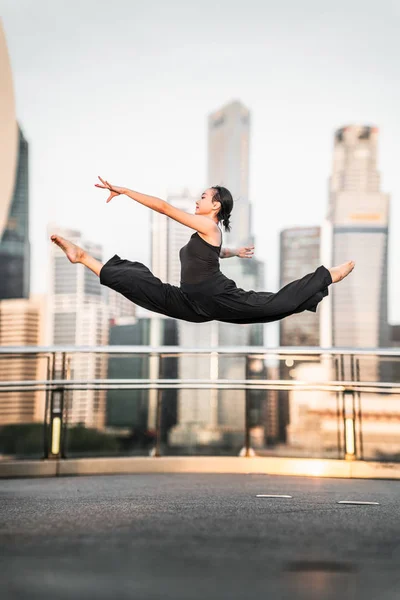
(347, 385)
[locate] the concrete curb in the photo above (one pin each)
(28, 468)
(308, 467)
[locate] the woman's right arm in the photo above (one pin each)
(203, 225)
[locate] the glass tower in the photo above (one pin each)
(14, 243)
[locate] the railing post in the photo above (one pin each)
(154, 394)
(359, 416)
(338, 398)
(56, 414)
(247, 450)
(349, 416)
(157, 447)
(46, 421)
(350, 446)
(66, 395)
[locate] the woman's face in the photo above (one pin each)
(206, 206)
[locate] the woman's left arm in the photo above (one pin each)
(243, 252)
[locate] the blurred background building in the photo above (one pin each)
(14, 245)
(14, 201)
(79, 317)
(228, 165)
(21, 318)
(359, 211)
(80, 310)
(299, 255)
(22, 323)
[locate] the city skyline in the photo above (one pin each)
(297, 101)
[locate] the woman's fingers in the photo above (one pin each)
(105, 184)
(110, 187)
(246, 252)
(112, 195)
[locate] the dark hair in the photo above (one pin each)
(223, 196)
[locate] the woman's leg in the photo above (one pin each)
(136, 282)
(307, 292)
(297, 296)
(302, 294)
(75, 254)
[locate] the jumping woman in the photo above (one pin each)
(205, 294)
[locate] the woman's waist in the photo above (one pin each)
(215, 284)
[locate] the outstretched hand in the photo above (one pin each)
(114, 190)
(245, 252)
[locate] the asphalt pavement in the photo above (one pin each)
(192, 537)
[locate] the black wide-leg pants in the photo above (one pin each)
(217, 298)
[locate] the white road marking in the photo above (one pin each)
(356, 502)
(273, 496)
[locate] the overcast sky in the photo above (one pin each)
(123, 89)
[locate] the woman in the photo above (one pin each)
(205, 293)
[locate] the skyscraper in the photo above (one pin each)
(14, 200)
(79, 317)
(22, 323)
(228, 165)
(358, 212)
(299, 255)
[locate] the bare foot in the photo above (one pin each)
(73, 252)
(340, 272)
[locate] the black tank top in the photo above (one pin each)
(199, 260)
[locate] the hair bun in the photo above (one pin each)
(226, 223)
(224, 196)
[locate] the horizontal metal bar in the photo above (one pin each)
(246, 383)
(59, 385)
(179, 351)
